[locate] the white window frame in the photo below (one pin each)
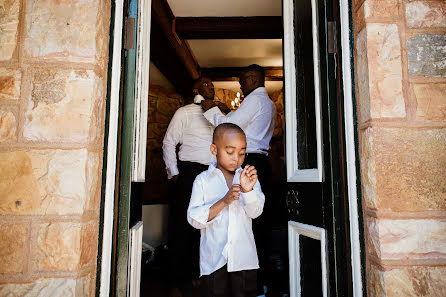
(140, 114)
(295, 230)
(294, 174)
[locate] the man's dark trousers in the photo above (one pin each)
(261, 226)
(184, 240)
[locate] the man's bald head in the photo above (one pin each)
(252, 78)
(257, 71)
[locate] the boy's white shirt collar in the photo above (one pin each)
(198, 98)
(213, 166)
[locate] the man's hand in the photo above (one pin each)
(232, 194)
(175, 178)
(248, 178)
(223, 107)
(207, 104)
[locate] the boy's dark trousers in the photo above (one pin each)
(222, 283)
(184, 240)
(261, 226)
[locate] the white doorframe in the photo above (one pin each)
(350, 154)
(350, 149)
(109, 197)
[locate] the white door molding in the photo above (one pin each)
(350, 149)
(112, 145)
(295, 230)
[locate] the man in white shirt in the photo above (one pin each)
(256, 116)
(225, 199)
(193, 133)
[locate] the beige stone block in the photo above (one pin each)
(431, 101)
(64, 106)
(379, 72)
(375, 282)
(66, 246)
(54, 287)
(402, 169)
(9, 22)
(418, 239)
(66, 30)
(10, 80)
(368, 169)
(18, 184)
(362, 75)
(408, 281)
(8, 126)
(426, 14)
(46, 181)
(13, 240)
(380, 8)
(89, 243)
(93, 176)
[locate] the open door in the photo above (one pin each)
(318, 233)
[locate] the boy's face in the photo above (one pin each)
(230, 150)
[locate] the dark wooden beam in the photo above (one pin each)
(165, 58)
(261, 27)
(233, 73)
(163, 16)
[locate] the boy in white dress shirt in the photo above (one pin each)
(225, 198)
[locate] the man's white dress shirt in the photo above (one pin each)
(228, 238)
(193, 132)
(256, 116)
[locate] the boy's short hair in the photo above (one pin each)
(220, 129)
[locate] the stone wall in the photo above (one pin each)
(401, 93)
(162, 106)
(53, 67)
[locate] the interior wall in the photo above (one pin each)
(401, 93)
(155, 218)
(158, 79)
(53, 75)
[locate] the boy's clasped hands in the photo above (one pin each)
(248, 178)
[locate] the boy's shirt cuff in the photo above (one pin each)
(249, 197)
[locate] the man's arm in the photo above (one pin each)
(170, 141)
(241, 117)
(223, 107)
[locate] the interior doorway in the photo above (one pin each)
(220, 58)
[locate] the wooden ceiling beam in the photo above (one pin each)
(165, 58)
(162, 14)
(272, 73)
(261, 27)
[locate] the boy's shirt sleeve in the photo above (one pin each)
(198, 210)
(253, 201)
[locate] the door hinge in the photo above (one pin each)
(129, 35)
(332, 42)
